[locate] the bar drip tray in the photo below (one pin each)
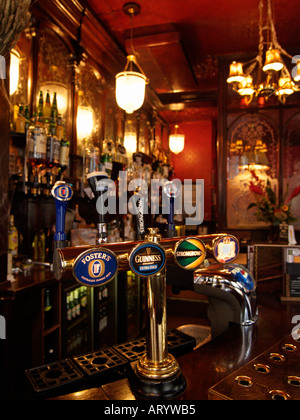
(100, 361)
(179, 343)
(201, 333)
(53, 375)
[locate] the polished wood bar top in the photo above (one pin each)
(22, 283)
(216, 360)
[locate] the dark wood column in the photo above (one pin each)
(4, 182)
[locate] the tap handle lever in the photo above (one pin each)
(98, 182)
(171, 192)
(138, 202)
(62, 192)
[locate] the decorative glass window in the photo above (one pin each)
(252, 146)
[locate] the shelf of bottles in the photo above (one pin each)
(47, 148)
(76, 333)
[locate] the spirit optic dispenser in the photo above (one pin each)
(157, 374)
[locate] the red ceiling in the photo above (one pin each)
(178, 40)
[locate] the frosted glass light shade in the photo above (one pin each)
(130, 90)
(14, 72)
(273, 60)
(297, 73)
(130, 142)
(176, 143)
(85, 122)
(236, 74)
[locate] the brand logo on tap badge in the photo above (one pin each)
(190, 253)
(95, 267)
(147, 259)
(226, 249)
(62, 191)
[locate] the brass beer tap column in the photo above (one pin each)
(157, 374)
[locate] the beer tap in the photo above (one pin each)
(62, 192)
(157, 374)
(138, 201)
(171, 191)
(98, 183)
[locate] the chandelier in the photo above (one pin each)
(255, 78)
(131, 85)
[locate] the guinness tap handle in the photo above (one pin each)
(62, 192)
(98, 183)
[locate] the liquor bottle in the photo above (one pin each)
(20, 121)
(53, 144)
(107, 157)
(15, 116)
(37, 142)
(54, 109)
(27, 117)
(92, 159)
(39, 246)
(47, 107)
(72, 305)
(64, 154)
(59, 128)
(83, 297)
(48, 311)
(77, 302)
(13, 237)
(40, 108)
(69, 308)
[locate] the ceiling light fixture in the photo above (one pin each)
(131, 85)
(278, 80)
(176, 141)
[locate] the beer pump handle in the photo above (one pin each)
(98, 182)
(171, 192)
(139, 204)
(62, 192)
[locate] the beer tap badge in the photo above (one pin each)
(147, 259)
(95, 267)
(226, 249)
(62, 191)
(190, 253)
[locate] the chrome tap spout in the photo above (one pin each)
(231, 283)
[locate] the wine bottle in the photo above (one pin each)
(13, 237)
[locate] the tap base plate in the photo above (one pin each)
(156, 389)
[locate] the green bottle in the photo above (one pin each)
(47, 107)
(40, 109)
(54, 109)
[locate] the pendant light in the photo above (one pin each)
(176, 141)
(130, 84)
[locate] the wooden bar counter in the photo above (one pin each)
(206, 366)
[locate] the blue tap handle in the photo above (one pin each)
(62, 193)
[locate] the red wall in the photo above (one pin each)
(196, 160)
